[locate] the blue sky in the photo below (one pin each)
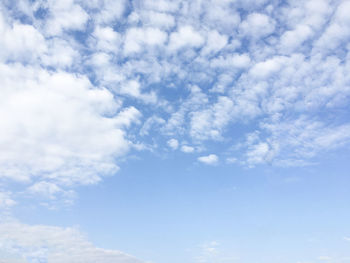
(174, 131)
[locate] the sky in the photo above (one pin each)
(174, 131)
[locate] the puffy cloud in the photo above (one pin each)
(136, 38)
(59, 127)
(186, 36)
(259, 153)
(337, 31)
(60, 54)
(215, 42)
(107, 39)
(19, 41)
(209, 123)
(173, 144)
(46, 189)
(149, 123)
(220, 15)
(157, 19)
(210, 159)
(231, 61)
(133, 88)
(109, 10)
(40, 243)
(265, 69)
(187, 149)
(257, 25)
(289, 143)
(292, 39)
(64, 15)
(177, 119)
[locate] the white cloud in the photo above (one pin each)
(215, 42)
(338, 30)
(107, 39)
(46, 189)
(187, 149)
(20, 42)
(133, 88)
(293, 39)
(60, 54)
(109, 10)
(56, 125)
(257, 25)
(173, 144)
(220, 15)
(186, 36)
(149, 123)
(40, 243)
(266, 68)
(210, 122)
(136, 38)
(231, 61)
(195, 101)
(290, 143)
(65, 15)
(127, 116)
(210, 159)
(258, 153)
(161, 5)
(157, 19)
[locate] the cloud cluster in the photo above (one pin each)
(278, 72)
(67, 67)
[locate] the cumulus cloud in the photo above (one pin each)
(64, 15)
(187, 149)
(137, 38)
(208, 123)
(19, 41)
(59, 127)
(257, 25)
(210, 159)
(186, 36)
(173, 144)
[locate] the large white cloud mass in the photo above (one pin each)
(56, 126)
